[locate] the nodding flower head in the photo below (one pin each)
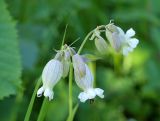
(120, 41)
(100, 43)
(86, 84)
(51, 74)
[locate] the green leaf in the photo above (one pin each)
(10, 66)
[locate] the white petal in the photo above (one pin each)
(48, 93)
(83, 97)
(52, 73)
(40, 91)
(130, 33)
(125, 51)
(133, 42)
(99, 92)
(86, 81)
(91, 93)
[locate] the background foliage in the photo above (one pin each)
(130, 95)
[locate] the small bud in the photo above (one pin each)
(79, 65)
(101, 45)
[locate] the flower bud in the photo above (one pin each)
(78, 65)
(51, 74)
(101, 45)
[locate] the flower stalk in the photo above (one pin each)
(88, 35)
(84, 41)
(29, 110)
(70, 102)
(43, 110)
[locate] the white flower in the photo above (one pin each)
(129, 43)
(51, 74)
(100, 43)
(121, 41)
(86, 84)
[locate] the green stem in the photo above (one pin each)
(70, 90)
(71, 116)
(29, 110)
(73, 113)
(84, 41)
(43, 110)
(117, 62)
(86, 38)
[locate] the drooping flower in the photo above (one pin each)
(120, 41)
(100, 43)
(85, 82)
(51, 74)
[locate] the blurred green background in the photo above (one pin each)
(27, 43)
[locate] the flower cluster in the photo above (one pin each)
(59, 67)
(119, 40)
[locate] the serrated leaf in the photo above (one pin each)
(10, 66)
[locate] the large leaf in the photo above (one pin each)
(10, 66)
